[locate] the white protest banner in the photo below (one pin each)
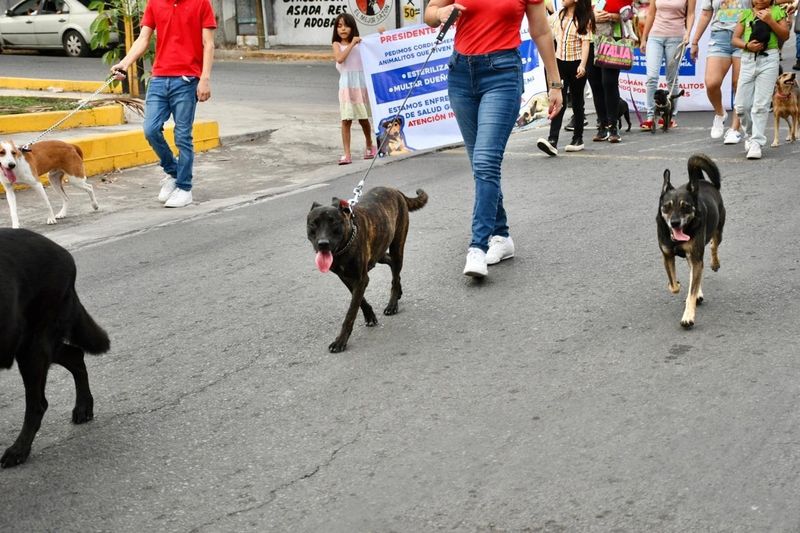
(393, 60)
(691, 78)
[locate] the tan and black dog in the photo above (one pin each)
(350, 241)
(690, 217)
(786, 105)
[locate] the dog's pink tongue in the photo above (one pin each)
(10, 176)
(679, 235)
(324, 261)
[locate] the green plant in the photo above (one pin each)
(110, 19)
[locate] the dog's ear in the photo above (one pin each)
(315, 205)
(666, 186)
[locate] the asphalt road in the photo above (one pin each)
(560, 394)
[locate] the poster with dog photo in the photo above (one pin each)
(394, 61)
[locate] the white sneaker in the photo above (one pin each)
(718, 128)
(167, 186)
(476, 263)
(747, 143)
(547, 146)
(732, 136)
(499, 248)
(179, 198)
(754, 152)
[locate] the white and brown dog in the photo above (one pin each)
(54, 158)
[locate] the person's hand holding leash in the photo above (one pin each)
(444, 12)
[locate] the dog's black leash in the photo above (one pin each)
(439, 38)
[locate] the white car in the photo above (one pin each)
(48, 24)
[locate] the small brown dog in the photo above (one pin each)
(786, 105)
(351, 240)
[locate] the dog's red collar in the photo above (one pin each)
(783, 96)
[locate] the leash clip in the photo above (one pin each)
(25, 147)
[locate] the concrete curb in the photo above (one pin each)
(33, 84)
(274, 54)
(110, 115)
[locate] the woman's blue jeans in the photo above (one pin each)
(485, 92)
(172, 95)
(661, 49)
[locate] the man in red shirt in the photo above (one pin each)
(181, 77)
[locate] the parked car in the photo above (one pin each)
(49, 25)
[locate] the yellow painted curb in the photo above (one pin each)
(34, 84)
(85, 118)
(125, 149)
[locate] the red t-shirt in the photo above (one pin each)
(179, 34)
(488, 26)
(613, 6)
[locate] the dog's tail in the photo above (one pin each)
(85, 333)
(418, 202)
(700, 163)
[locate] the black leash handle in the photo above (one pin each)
(449, 22)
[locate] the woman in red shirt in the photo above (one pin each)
(485, 87)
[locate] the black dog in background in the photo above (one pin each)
(665, 107)
(43, 323)
(623, 111)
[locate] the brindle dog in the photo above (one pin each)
(688, 218)
(350, 241)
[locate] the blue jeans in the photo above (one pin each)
(485, 92)
(797, 45)
(754, 93)
(172, 95)
(661, 49)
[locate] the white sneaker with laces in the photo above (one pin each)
(167, 186)
(499, 248)
(718, 128)
(476, 263)
(179, 198)
(732, 136)
(754, 152)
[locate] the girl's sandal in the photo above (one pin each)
(345, 160)
(371, 153)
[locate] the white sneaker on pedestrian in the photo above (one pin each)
(476, 263)
(500, 248)
(167, 186)
(747, 144)
(547, 146)
(718, 128)
(732, 136)
(754, 152)
(179, 198)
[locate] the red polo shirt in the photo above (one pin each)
(488, 26)
(179, 28)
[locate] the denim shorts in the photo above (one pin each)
(719, 45)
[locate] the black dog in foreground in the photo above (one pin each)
(665, 107)
(688, 218)
(350, 241)
(43, 323)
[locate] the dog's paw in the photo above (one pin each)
(775, 144)
(14, 455)
(687, 324)
(715, 266)
(95, 206)
(83, 413)
(337, 346)
(60, 215)
(391, 309)
(51, 220)
(371, 322)
(675, 289)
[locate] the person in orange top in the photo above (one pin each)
(485, 87)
